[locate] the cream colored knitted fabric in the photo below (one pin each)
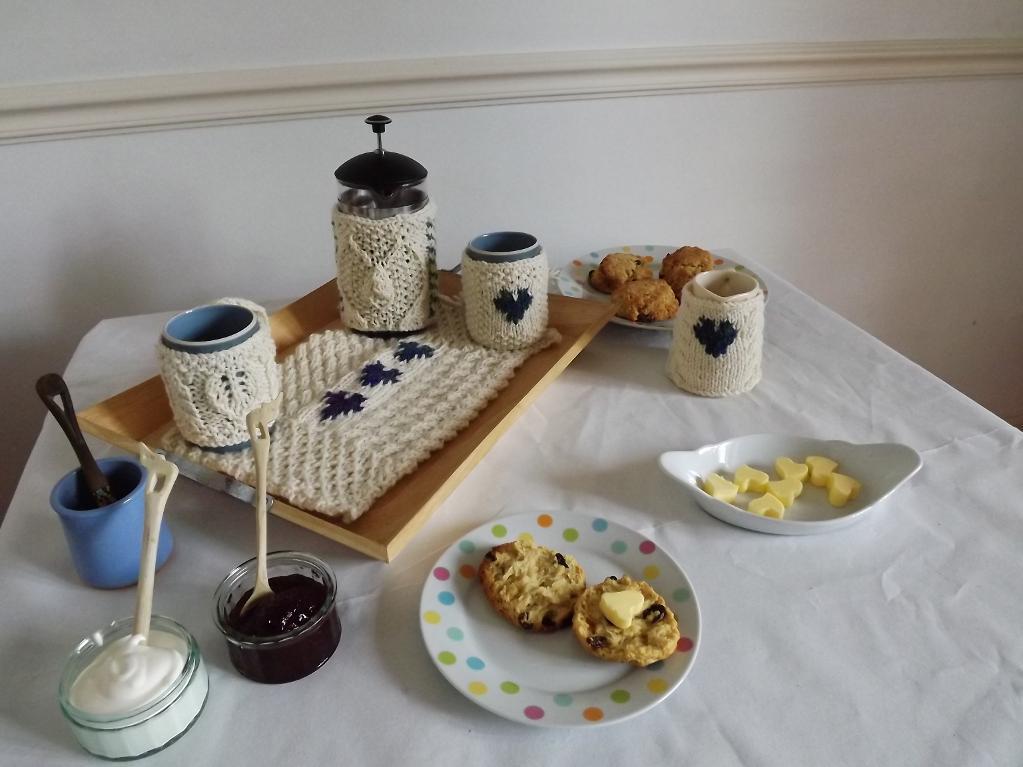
(360, 413)
(386, 270)
(717, 345)
(211, 393)
(505, 303)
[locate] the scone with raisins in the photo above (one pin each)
(652, 631)
(645, 301)
(532, 586)
(616, 269)
(682, 265)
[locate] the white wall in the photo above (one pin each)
(897, 204)
(73, 40)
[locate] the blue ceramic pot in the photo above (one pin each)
(106, 543)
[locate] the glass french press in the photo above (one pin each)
(384, 241)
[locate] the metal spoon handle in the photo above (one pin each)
(49, 387)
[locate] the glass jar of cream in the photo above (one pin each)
(119, 707)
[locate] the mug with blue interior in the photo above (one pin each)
(218, 363)
(504, 286)
(106, 542)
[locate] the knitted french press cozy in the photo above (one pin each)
(359, 413)
(717, 343)
(210, 393)
(506, 302)
(386, 270)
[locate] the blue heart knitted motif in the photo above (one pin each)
(716, 337)
(410, 350)
(340, 403)
(375, 373)
(513, 307)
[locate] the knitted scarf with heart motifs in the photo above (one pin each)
(360, 413)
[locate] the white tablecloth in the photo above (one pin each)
(896, 641)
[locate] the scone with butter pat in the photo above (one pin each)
(625, 621)
(533, 587)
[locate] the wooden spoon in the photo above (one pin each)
(259, 422)
(50, 386)
(162, 472)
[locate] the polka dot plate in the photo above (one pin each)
(574, 282)
(548, 679)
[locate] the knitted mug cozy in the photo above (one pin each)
(717, 340)
(212, 388)
(386, 270)
(505, 302)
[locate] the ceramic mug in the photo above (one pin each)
(106, 542)
(218, 363)
(504, 287)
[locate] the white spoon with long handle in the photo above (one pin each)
(259, 422)
(162, 474)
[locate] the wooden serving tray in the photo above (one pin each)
(142, 414)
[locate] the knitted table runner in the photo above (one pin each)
(360, 413)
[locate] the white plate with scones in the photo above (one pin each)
(543, 675)
(786, 485)
(584, 278)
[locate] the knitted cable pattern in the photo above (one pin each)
(359, 413)
(505, 303)
(386, 270)
(717, 345)
(211, 393)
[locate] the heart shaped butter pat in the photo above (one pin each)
(751, 480)
(720, 488)
(767, 506)
(789, 469)
(820, 468)
(785, 490)
(842, 489)
(620, 607)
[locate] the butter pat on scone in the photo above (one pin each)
(620, 607)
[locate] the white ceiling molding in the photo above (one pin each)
(60, 110)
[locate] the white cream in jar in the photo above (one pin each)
(124, 697)
(129, 673)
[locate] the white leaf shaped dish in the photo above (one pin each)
(881, 468)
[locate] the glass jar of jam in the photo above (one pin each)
(288, 635)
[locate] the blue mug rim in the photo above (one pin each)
(168, 339)
(61, 509)
(527, 246)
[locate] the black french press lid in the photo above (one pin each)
(381, 172)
